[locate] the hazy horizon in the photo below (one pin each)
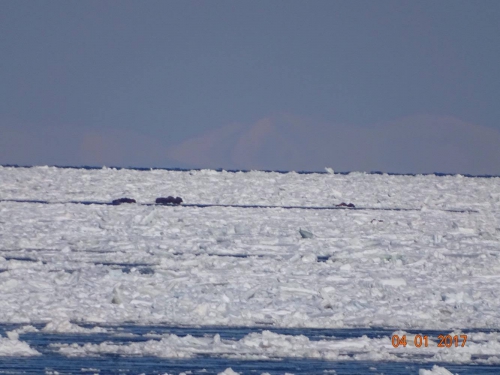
(392, 86)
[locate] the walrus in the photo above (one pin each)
(169, 200)
(350, 205)
(119, 201)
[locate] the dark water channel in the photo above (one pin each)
(53, 362)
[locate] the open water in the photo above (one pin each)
(51, 362)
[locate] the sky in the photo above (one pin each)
(360, 85)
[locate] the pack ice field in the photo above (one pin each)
(417, 257)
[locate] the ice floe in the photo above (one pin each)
(270, 345)
(11, 346)
(65, 264)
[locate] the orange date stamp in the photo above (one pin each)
(445, 341)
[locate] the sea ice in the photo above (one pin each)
(62, 264)
(436, 370)
(11, 346)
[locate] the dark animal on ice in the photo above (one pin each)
(119, 201)
(169, 200)
(350, 205)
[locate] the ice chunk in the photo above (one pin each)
(241, 229)
(394, 282)
(436, 370)
(65, 326)
(346, 268)
(12, 347)
(309, 258)
(13, 335)
(228, 371)
(305, 233)
(117, 296)
(149, 218)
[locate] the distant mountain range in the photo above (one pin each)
(417, 144)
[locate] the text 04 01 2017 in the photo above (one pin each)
(445, 341)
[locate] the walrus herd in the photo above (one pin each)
(164, 201)
(171, 201)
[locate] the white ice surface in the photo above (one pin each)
(228, 371)
(11, 346)
(428, 269)
(211, 187)
(64, 326)
(269, 345)
(436, 370)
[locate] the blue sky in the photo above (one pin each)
(133, 83)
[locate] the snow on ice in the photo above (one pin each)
(429, 268)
